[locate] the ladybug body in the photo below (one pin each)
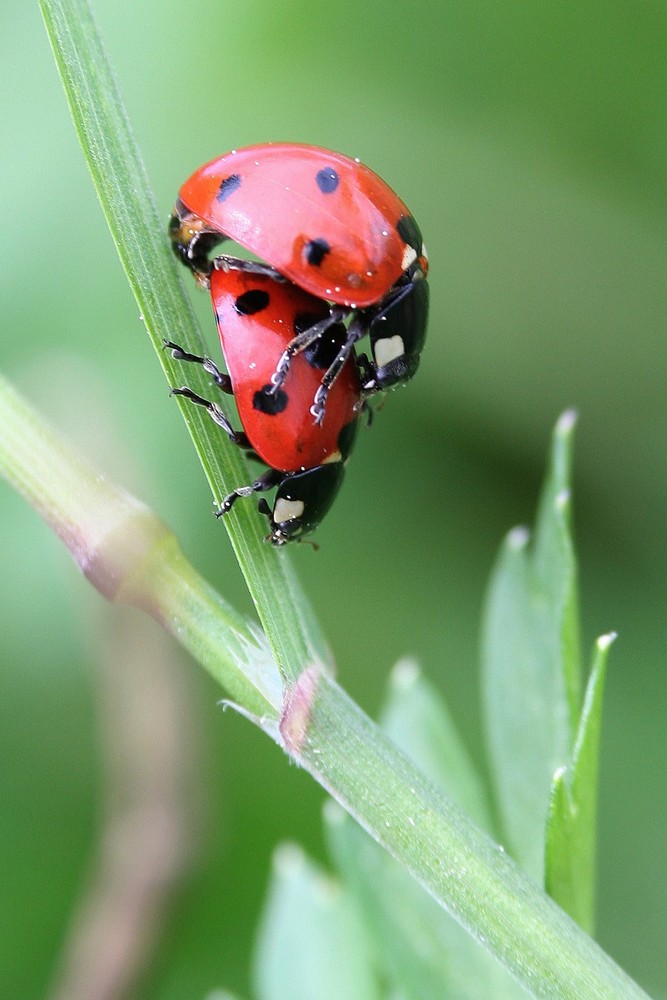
(257, 316)
(330, 226)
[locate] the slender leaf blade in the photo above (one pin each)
(416, 718)
(571, 825)
(311, 943)
(530, 661)
(139, 232)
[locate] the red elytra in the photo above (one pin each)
(257, 317)
(321, 219)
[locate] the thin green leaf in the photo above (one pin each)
(139, 232)
(416, 718)
(311, 944)
(555, 579)
(531, 661)
(571, 826)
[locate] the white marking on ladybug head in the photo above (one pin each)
(287, 510)
(409, 257)
(424, 252)
(388, 349)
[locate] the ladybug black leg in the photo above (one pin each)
(302, 341)
(222, 381)
(265, 482)
(355, 332)
(368, 412)
(238, 437)
(365, 367)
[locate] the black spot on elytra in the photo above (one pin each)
(267, 401)
(327, 180)
(228, 186)
(316, 250)
(409, 232)
(346, 438)
(252, 301)
(323, 351)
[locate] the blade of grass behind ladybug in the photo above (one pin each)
(139, 233)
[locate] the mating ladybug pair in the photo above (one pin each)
(341, 257)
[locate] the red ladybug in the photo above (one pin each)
(257, 316)
(331, 226)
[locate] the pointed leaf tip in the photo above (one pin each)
(517, 538)
(566, 422)
(603, 642)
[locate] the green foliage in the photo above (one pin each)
(546, 775)
(531, 662)
(531, 146)
(130, 556)
(311, 940)
(570, 854)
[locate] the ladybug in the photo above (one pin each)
(257, 315)
(331, 226)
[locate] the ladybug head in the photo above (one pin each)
(301, 501)
(192, 242)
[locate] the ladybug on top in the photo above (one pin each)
(333, 228)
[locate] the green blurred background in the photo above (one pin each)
(529, 140)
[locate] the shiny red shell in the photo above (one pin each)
(257, 317)
(322, 219)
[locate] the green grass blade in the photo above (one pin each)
(139, 232)
(311, 944)
(571, 826)
(555, 581)
(531, 662)
(416, 718)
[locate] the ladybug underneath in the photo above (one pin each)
(257, 316)
(333, 228)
